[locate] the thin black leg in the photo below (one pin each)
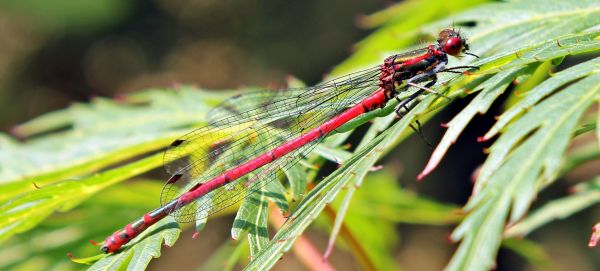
(404, 103)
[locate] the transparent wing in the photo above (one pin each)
(235, 192)
(261, 104)
(246, 126)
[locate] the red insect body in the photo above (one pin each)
(395, 70)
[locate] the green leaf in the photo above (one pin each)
(378, 204)
(587, 194)
(202, 215)
(45, 246)
(275, 192)
(252, 217)
(353, 183)
(336, 155)
(493, 87)
(26, 211)
(356, 167)
(297, 179)
(514, 179)
(544, 89)
(97, 135)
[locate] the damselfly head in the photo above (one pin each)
(453, 43)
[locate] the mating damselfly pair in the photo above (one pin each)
(251, 137)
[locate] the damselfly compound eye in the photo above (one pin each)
(453, 46)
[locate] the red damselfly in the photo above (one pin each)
(252, 137)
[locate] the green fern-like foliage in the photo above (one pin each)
(69, 183)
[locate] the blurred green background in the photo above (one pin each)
(54, 53)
